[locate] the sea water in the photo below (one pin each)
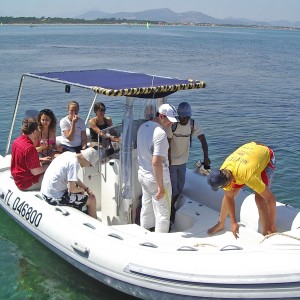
(252, 93)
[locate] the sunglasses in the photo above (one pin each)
(102, 109)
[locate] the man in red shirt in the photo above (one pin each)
(25, 167)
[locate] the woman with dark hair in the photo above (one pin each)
(47, 133)
(98, 124)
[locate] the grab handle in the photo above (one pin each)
(231, 247)
(187, 248)
(148, 244)
(80, 249)
(63, 211)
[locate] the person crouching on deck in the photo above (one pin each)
(61, 185)
(252, 164)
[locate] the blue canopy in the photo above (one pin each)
(121, 83)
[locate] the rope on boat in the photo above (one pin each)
(282, 234)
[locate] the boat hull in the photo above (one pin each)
(118, 255)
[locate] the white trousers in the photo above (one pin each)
(155, 213)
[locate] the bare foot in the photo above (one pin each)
(215, 229)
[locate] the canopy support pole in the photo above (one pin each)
(14, 115)
(90, 110)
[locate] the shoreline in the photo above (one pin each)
(153, 25)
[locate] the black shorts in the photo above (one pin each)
(71, 149)
(77, 201)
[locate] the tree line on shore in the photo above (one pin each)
(33, 21)
(48, 20)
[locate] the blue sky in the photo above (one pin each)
(258, 10)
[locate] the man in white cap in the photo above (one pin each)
(153, 173)
(61, 185)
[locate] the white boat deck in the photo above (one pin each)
(190, 231)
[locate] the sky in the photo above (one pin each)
(257, 10)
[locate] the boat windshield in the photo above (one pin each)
(136, 112)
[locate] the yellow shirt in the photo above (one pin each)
(246, 165)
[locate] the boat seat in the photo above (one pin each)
(193, 217)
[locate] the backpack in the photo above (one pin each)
(192, 122)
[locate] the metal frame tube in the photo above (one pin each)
(14, 115)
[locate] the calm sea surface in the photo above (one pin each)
(253, 93)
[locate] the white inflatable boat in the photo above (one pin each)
(183, 264)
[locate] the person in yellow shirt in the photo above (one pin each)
(253, 165)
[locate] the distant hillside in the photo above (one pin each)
(167, 15)
(164, 15)
(197, 17)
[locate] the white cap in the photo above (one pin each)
(169, 111)
(91, 155)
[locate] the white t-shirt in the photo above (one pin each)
(180, 142)
(65, 124)
(152, 140)
(62, 169)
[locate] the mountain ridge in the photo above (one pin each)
(167, 15)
